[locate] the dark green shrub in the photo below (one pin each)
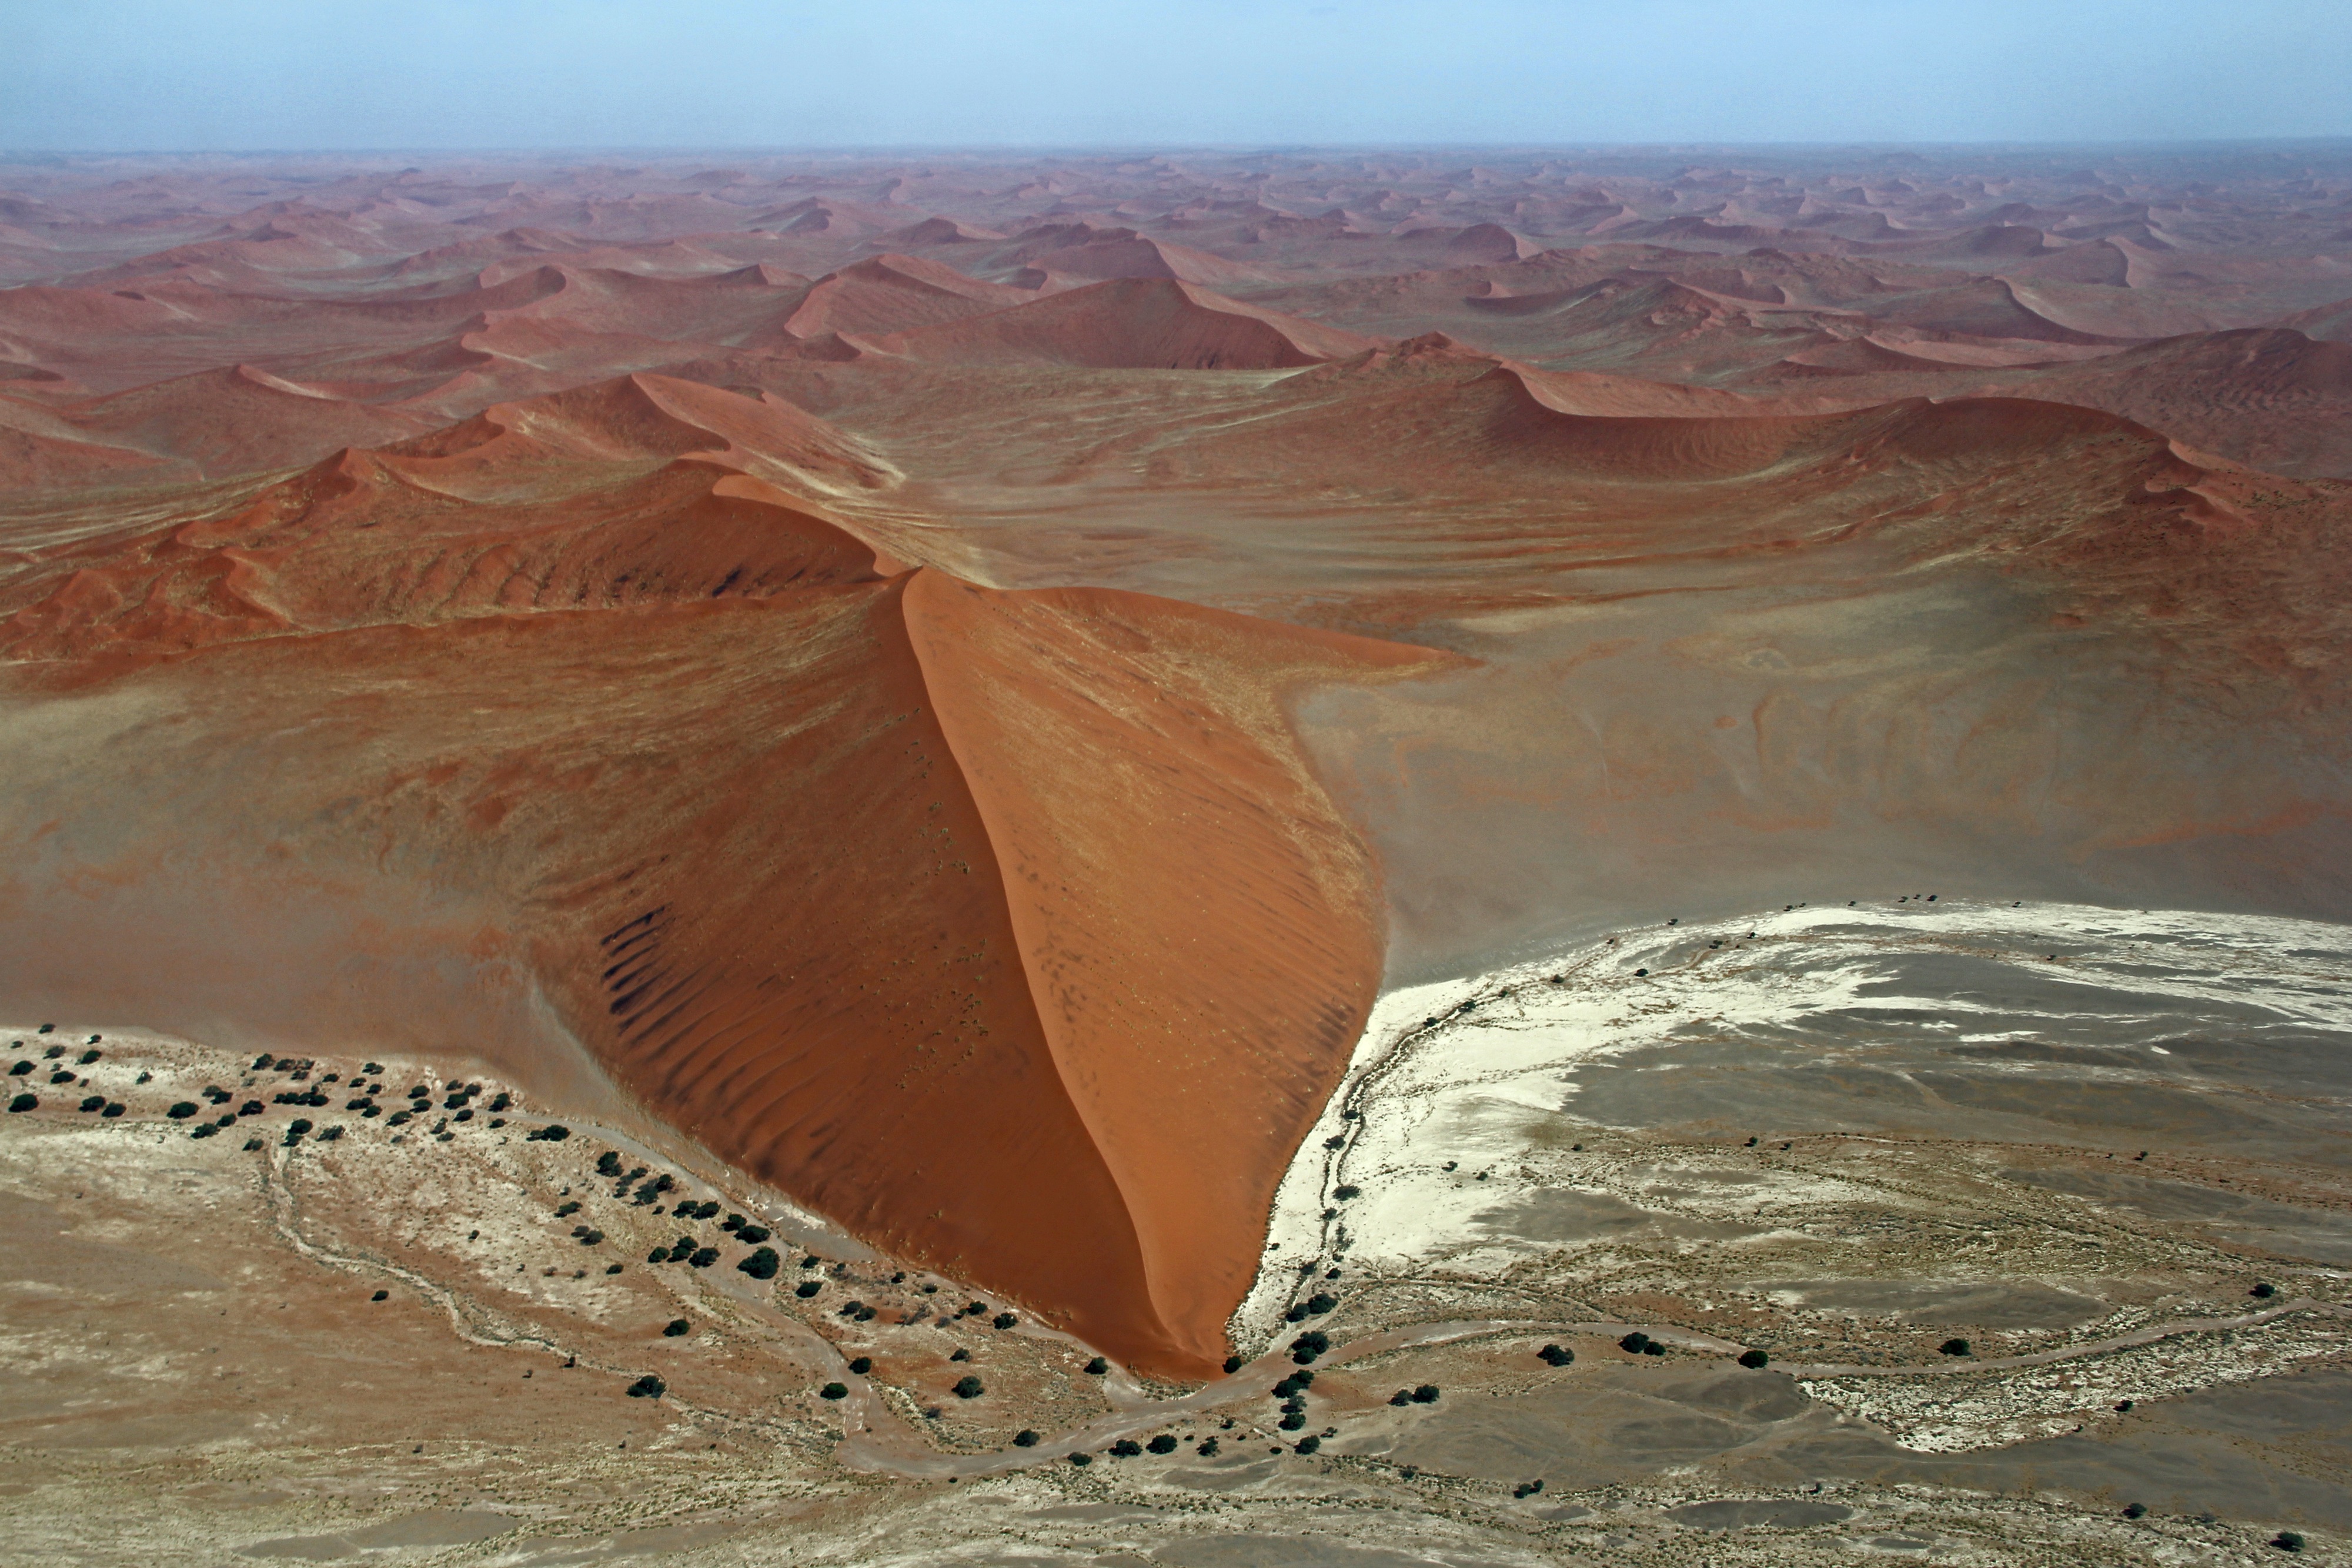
(1024, 1438)
(1634, 1344)
(1344, 1193)
(1292, 1422)
(1307, 1445)
(754, 1234)
(181, 1110)
(2287, 1541)
(53, 1053)
(1954, 1347)
(2263, 1291)
(762, 1264)
(298, 1126)
(553, 1132)
(380, 1295)
(961, 1355)
(676, 1327)
(613, 1269)
(647, 1387)
(807, 1287)
(1162, 1444)
(1526, 1489)
(1126, 1448)
(1296, 1315)
(20, 1069)
(1098, 1365)
(862, 1365)
(608, 1164)
(114, 1108)
(1754, 1360)
(1005, 1319)
(1082, 1461)
(1232, 1364)
(703, 1257)
(968, 1387)
(1309, 1345)
(658, 1255)
(833, 1391)
(94, 1102)
(206, 1131)
(1425, 1395)
(2135, 1510)
(1319, 1303)
(1401, 1396)
(1555, 1355)
(1208, 1449)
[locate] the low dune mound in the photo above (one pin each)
(644, 418)
(238, 420)
(1134, 256)
(2264, 395)
(1142, 323)
(889, 293)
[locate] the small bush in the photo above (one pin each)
(1425, 1395)
(1526, 1489)
(20, 1069)
(1232, 1364)
(754, 1234)
(1005, 1319)
(647, 1387)
(298, 1126)
(608, 1164)
(703, 1257)
(1126, 1448)
(762, 1264)
(1082, 1461)
(1097, 1366)
(613, 1269)
(807, 1287)
(181, 1110)
(677, 1327)
(1292, 1422)
(1024, 1438)
(114, 1108)
(1296, 1315)
(380, 1295)
(553, 1132)
(1307, 1445)
(1344, 1193)
(2287, 1541)
(2263, 1291)
(207, 1131)
(94, 1102)
(833, 1391)
(1208, 1449)
(1555, 1355)
(1634, 1344)
(862, 1365)
(1162, 1444)
(2135, 1510)
(961, 1355)
(1319, 1303)
(968, 1387)
(1401, 1396)
(1954, 1347)
(1754, 1360)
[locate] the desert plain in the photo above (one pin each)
(1353, 858)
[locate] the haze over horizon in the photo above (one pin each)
(434, 74)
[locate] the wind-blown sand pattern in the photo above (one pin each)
(1139, 758)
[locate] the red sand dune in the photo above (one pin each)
(1145, 323)
(919, 744)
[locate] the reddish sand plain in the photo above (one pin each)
(955, 699)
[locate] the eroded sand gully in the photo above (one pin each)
(925, 704)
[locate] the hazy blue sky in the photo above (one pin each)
(284, 74)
